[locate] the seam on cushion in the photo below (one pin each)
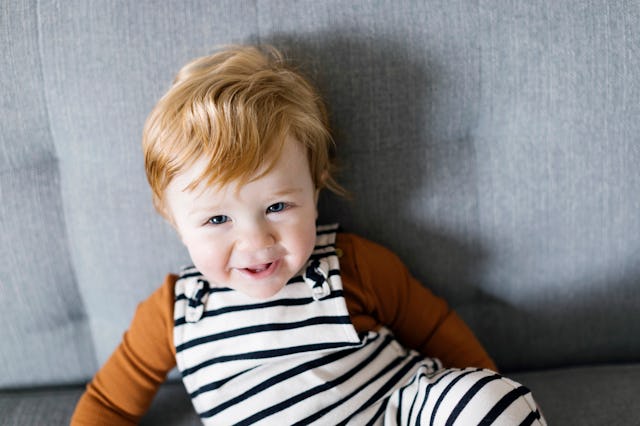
(83, 317)
(45, 99)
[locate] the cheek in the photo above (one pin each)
(307, 238)
(209, 259)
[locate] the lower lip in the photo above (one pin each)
(266, 273)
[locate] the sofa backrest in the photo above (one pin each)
(494, 145)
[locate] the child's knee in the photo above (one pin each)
(484, 397)
(462, 397)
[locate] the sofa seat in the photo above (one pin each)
(584, 396)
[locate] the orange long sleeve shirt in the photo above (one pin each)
(378, 289)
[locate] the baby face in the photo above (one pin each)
(254, 237)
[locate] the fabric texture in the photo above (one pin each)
(48, 406)
(590, 396)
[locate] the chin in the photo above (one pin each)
(262, 293)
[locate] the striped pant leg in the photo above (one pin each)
(462, 397)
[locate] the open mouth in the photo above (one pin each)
(260, 271)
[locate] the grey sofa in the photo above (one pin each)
(493, 144)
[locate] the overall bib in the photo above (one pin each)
(296, 358)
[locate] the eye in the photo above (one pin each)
(218, 220)
(277, 207)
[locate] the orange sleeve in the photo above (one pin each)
(381, 292)
(122, 390)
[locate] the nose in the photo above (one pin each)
(255, 235)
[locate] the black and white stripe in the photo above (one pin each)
(296, 359)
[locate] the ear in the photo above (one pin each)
(321, 183)
(316, 196)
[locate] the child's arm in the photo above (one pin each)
(382, 292)
(121, 392)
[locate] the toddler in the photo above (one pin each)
(280, 321)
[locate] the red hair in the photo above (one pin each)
(235, 109)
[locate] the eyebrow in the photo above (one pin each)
(288, 191)
(200, 211)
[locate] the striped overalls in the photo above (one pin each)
(296, 359)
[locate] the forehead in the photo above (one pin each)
(288, 164)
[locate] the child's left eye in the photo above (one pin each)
(277, 207)
(218, 220)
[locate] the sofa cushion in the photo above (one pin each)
(587, 396)
(494, 146)
(47, 406)
(44, 335)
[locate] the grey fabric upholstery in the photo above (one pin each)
(39, 298)
(50, 406)
(589, 396)
(492, 144)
